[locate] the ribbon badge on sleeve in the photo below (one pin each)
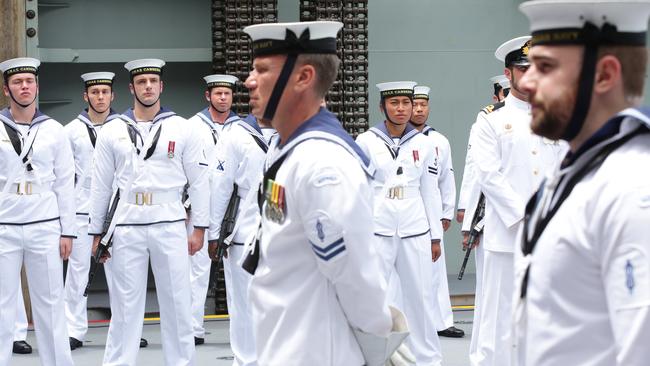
(275, 202)
(170, 149)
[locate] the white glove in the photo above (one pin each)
(401, 357)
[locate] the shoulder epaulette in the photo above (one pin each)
(493, 107)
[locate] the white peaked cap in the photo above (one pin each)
(501, 80)
(514, 45)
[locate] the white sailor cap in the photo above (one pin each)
(97, 78)
(421, 92)
(296, 38)
(611, 22)
(144, 66)
(514, 51)
(223, 80)
(396, 89)
(19, 65)
(502, 80)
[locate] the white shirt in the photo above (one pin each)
(414, 168)
(510, 162)
(176, 160)
(318, 273)
(588, 298)
(53, 171)
(445, 171)
(240, 160)
(82, 148)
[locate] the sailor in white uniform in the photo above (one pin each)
(36, 213)
(470, 191)
(585, 278)
(444, 318)
(209, 124)
(509, 163)
(407, 213)
(241, 153)
(82, 136)
(317, 280)
(150, 154)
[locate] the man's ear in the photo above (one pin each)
(305, 77)
(162, 86)
(5, 90)
(131, 89)
(207, 96)
(608, 74)
(85, 96)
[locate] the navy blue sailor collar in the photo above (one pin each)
(8, 119)
(250, 123)
(162, 114)
(324, 126)
(427, 130)
(382, 132)
(85, 118)
(613, 129)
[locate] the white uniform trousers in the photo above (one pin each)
(479, 257)
(442, 315)
(166, 245)
(494, 343)
(20, 333)
(37, 245)
(76, 280)
(200, 264)
(242, 339)
(410, 289)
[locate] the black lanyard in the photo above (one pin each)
(594, 163)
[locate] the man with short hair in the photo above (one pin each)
(150, 155)
(209, 124)
(444, 171)
(36, 213)
(509, 162)
(82, 135)
(584, 297)
(240, 156)
(407, 214)
(317, 294)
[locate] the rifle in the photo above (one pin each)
(475, 231)
(227, 228)
(105, 242)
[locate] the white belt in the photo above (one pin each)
(28, 188)
(153, 198)
(402, 192)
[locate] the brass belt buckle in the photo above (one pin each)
(143, 198)
(27, 190)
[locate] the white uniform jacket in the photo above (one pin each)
(468, 184)
(588, 297)
(176, 160)
(510, 162)
(410, 165)
(241, 153)
(51, 179)
(445, 171)
(318, 274)
(210, 131)
(82, 135)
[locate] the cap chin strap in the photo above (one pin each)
(279, 86)
(143, 104)
(592, 36)
(383, 105)
(19, 103)
(95, 109)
